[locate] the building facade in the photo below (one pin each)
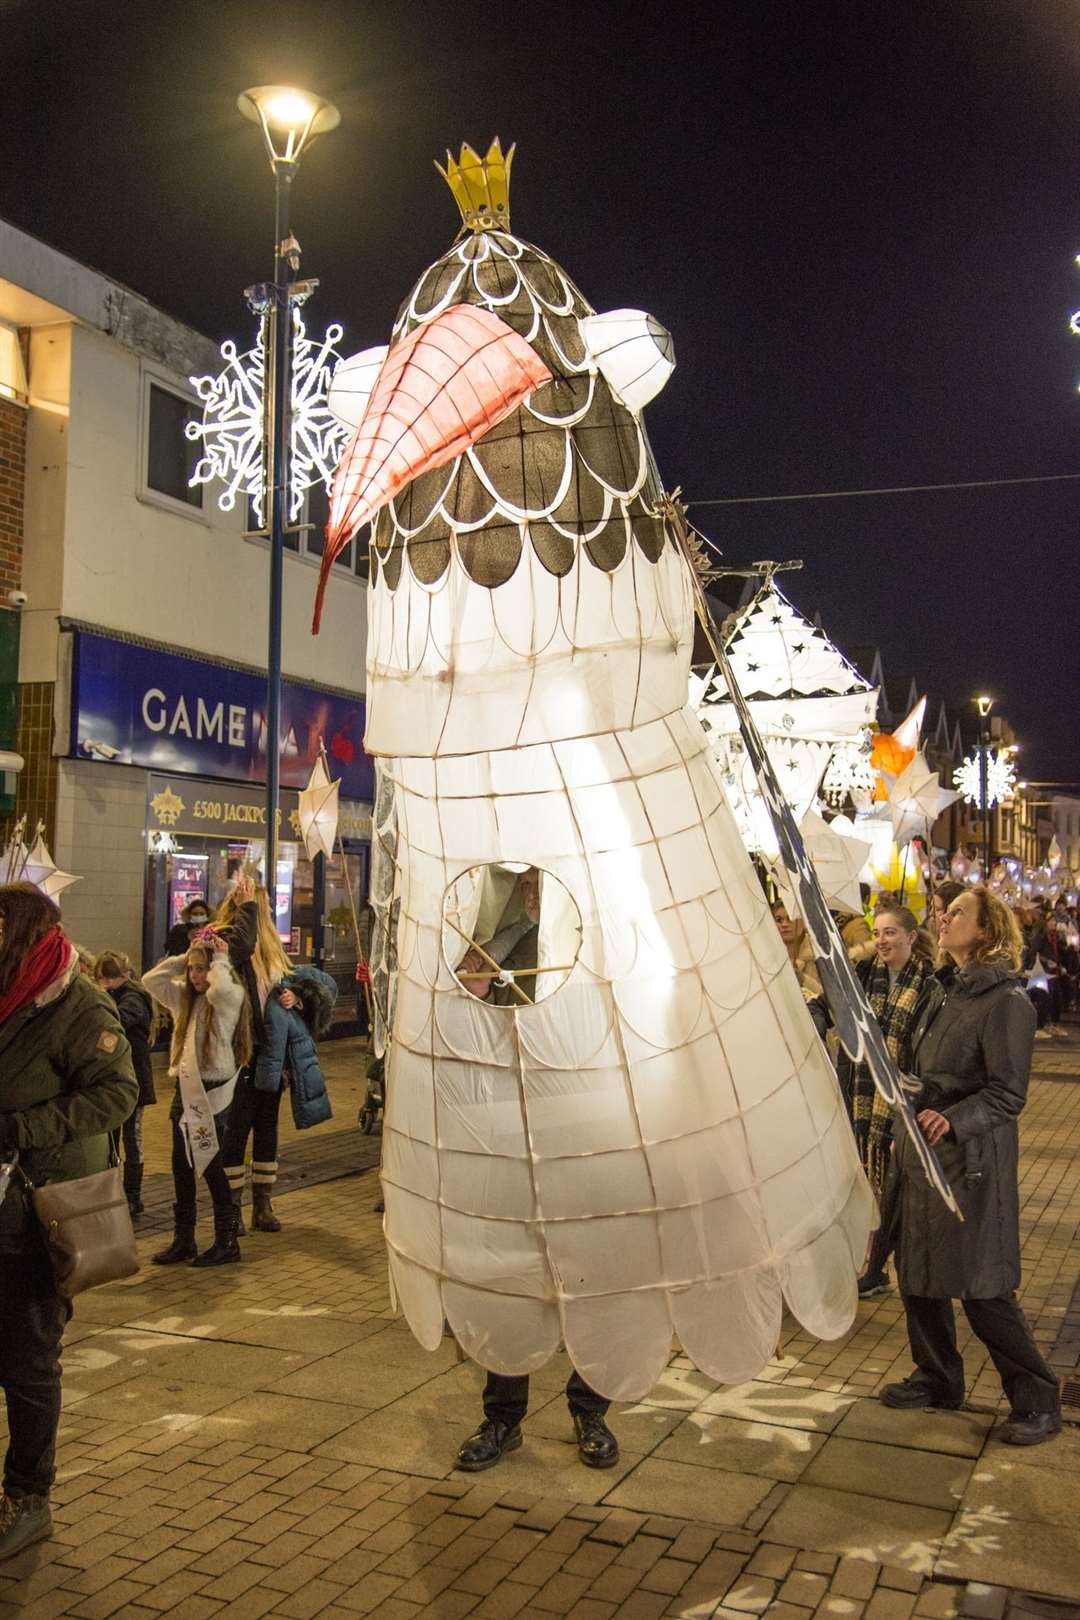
(137, 611)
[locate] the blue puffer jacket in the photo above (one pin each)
(289, 1044)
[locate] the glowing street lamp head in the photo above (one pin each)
(292, 115)
(984, 704)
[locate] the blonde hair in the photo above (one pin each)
(114, 965)
(268, 958)
(1002, 938)
(242, 1043)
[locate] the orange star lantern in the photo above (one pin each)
(893, 751)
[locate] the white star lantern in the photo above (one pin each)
(35, 865)
(1000, 779)
(231, 431)
(916, 799)
(319, 813)
(839, 856)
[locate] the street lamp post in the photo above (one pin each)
(984, 705)
(289, 119)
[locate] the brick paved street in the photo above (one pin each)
(268, 1439)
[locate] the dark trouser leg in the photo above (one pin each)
(182, 1173)
(1041, 1002)
(506, 1399)
(581, 1397)
(32, 1324)
(217, 1182)
(884, 1240)
(1002, 1326)
(241, 1117)
(931, 1327)
(131, 1135)
(265, 1140)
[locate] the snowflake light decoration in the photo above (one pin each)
(1000, 779)
(231, 431)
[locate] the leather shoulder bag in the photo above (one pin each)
(87, 1229)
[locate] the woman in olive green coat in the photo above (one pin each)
(66, 1081)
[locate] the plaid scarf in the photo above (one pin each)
(894, 1008)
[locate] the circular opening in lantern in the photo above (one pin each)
(511, 933)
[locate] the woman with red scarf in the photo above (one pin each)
(66, 1081)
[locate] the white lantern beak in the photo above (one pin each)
(352, 383)
(633, 353)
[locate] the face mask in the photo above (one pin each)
(198, 919)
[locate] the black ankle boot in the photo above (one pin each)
(236, 1193)
(133, 1175)
(182, 1248)
(490, 1442)
(225, 1250)
(263, 1218)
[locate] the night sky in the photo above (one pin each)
(858, 220)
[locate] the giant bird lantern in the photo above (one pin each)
(609, 1119)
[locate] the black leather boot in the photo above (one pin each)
(597, 1446)
(263, 1218)
(484, 1448)
(133, 1174)
(225, 1250)
(182, 1248)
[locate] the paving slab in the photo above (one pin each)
(281, 1420)
(355, 1377)
(1016, 1485)
(893, 1472)
(859, 1526)
(682, 1388)
(1061, 1453)
(144, 1399)
(988, 1547)
(219, 1361)
(772, 1451)
(716, 1496)
(959, 1434)
(786, 1404)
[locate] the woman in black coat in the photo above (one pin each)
(972, 1051)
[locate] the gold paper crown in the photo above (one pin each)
(481, 186)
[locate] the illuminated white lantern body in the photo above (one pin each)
(657, 1146)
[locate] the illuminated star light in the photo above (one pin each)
(231, 431)
(1000, 779)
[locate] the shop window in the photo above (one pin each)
(511, 933)
(170, 456)
(12, 366)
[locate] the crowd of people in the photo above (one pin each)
(958, 1001)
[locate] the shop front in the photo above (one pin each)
(200, 835)
(195, 732)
